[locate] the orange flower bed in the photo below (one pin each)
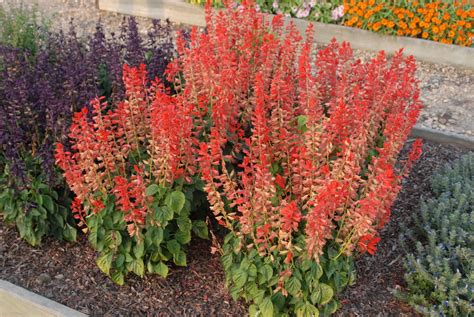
(449, 23)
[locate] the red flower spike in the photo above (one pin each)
(327, 131)
(149, 122)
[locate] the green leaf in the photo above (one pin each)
(173, 246)
(316, 295)
(200, 229)
(163, 214)
(184, 223)
(138, 267)
(161, 269)
(307, 310)
(70, 233)
(104, 262)
(183, 237)
(266, 307)
(266, 273)
(149, 267)
(152, 190)
(326, 294)
(253, 310)
(139, 250)
(180, 258)
(120, 260)
(278, 301)
(157, 236)
(293, 286)
(226, 260)
(118, 278)
(252, 271)
(317, 270)
(113, 239)
(302, 121)
(175, 201)
(48, 202)
(240, 278)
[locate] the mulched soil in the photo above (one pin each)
(379, 275)
(67, 273)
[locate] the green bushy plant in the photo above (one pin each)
(37, 209)
(307, 289)
(440, 268)
(21, 27)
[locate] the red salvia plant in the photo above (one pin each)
(132, 169)
(311, 173)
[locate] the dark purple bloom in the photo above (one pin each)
(39, 91)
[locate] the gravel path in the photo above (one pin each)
(447, 91)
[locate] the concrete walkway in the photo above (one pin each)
(19, 302)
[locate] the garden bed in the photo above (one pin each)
(67, 273)
(182, 12)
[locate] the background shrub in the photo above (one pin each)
(440, 266)
(43, 81)
(298, 154)
(21, 26)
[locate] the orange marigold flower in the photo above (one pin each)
(371, 2)
(425, 35)
(435, 29)
(377, 26)
(451, 34)
(461, 23)
(399, 32)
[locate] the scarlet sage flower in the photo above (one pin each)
(150, 126)
(296, 144)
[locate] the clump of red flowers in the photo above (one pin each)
(146, 139)
(130, 167)
(299, 144)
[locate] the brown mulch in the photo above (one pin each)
(379, 275)
(67, 273)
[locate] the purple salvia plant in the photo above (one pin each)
(40, 92)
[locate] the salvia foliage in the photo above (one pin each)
(132, 169)
(299, 153)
